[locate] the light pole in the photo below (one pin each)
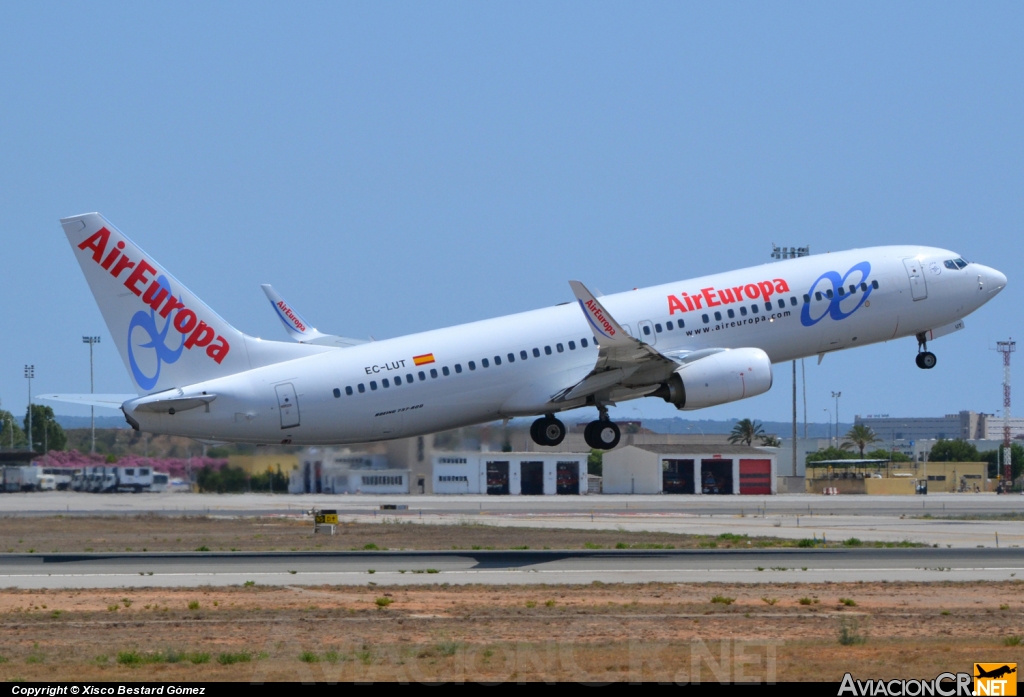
(30, 372)
(829, 426)
(794, 253)
(837, 395)
(91, 340)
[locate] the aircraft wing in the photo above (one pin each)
(625, 365)
(298, 328)
(110, 401)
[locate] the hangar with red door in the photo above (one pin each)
(696, 469)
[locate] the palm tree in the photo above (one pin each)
(861, 436)
(745, 431)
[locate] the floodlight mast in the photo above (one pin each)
(1006, 348)
(91, 340)
(793, 253)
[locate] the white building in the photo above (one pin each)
(510, 474)
(690, 469)
(333, 471)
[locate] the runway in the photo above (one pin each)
(192, 569)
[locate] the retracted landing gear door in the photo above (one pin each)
(288, 403)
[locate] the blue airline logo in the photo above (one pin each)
(154, 338)
(832, 281)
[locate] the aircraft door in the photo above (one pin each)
(288, 404)
(647, 333)
(918, 286)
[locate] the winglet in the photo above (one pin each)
(606, 330)
(297, 327)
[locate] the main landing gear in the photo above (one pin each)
(548, 431)
(925, 360)
(602, 434)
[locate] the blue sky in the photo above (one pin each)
(395, 167)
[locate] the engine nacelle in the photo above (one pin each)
(717, 379)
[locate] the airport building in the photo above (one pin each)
(967, 425)
(690, 469)
(334, 471)
(510, 474)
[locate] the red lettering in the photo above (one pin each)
(114, 254)
(752, 291)
(122, 264)
(709, 296)
(781, 286)
(139, 274)
(218, 350)
(738, 290)
(184, 320)
(726, 296)
(674, 304)
(152, 297)
(766, 289)
(202, 335)
(172, 304)
(696, 301)
(97, 242)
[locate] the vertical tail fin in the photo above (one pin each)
(166, 335)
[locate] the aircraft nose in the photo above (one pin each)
(991, 280)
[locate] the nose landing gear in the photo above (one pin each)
(925, 360)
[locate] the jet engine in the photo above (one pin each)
(717, 379)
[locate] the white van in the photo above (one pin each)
(46, 482)
(161, 482)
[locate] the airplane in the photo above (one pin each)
(694, 343)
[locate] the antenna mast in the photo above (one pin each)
(1006, 348)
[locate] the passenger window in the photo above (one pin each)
(497, 360)
(360, 388)
(522, 355)
(753, 308)
(423, 376)
(373, 384)
(486, 363)
(348, 390)
(705, 318)
(743, 310)
(853, 288)
(511, 358)
(398, 380)
(829, 294)
(472, 366)
(536, 353)
(560, 348)
(445, 371)
(572, 345)
(337, 392)
(718, 316)
(458, 367)
(433, 372)
(817, 295)
(768, 305)
(807, 299)
(408, 378)
(864, 287)
(680, 324)
(842, 291)
(668, 325)
(385, 383)
(583, 343)
(647, 330)
(874, 284)
(657, 328)
(547, 350)
(731, 313)
(792, 301)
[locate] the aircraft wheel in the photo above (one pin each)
(926, 360)
(547, 431)
(603, 435)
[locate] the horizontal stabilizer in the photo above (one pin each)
(172, 402)
(298, 328)
(110, 401)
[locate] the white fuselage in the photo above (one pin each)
(905, 291)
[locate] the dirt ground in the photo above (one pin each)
(153, 533)
(653, 632)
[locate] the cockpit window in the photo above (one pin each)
(955, 264)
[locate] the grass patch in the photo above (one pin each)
(309, 657)
(193, 605)
(852, 542)
(370, 547)
(591, 545)
(531, 603)
(1011, 641)
(383, 602)
(227, 659)
(770, 601)
(549, 603)
(448, 648)
(723, 600)
(807, 542)
(204, 548)
(730, 537)
(249, 584)
(848, 602)
(433, 571)
(805, 601)
(849, 634)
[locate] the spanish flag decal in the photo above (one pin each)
(424, 359)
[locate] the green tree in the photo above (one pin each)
(860, 436)
(993, 458)
(46, 432)
(595, 462)
(8, 428)
(882, 454)
(957, 450)
(770, 441)
(829, 453)
(270, 481)
(745, 431)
